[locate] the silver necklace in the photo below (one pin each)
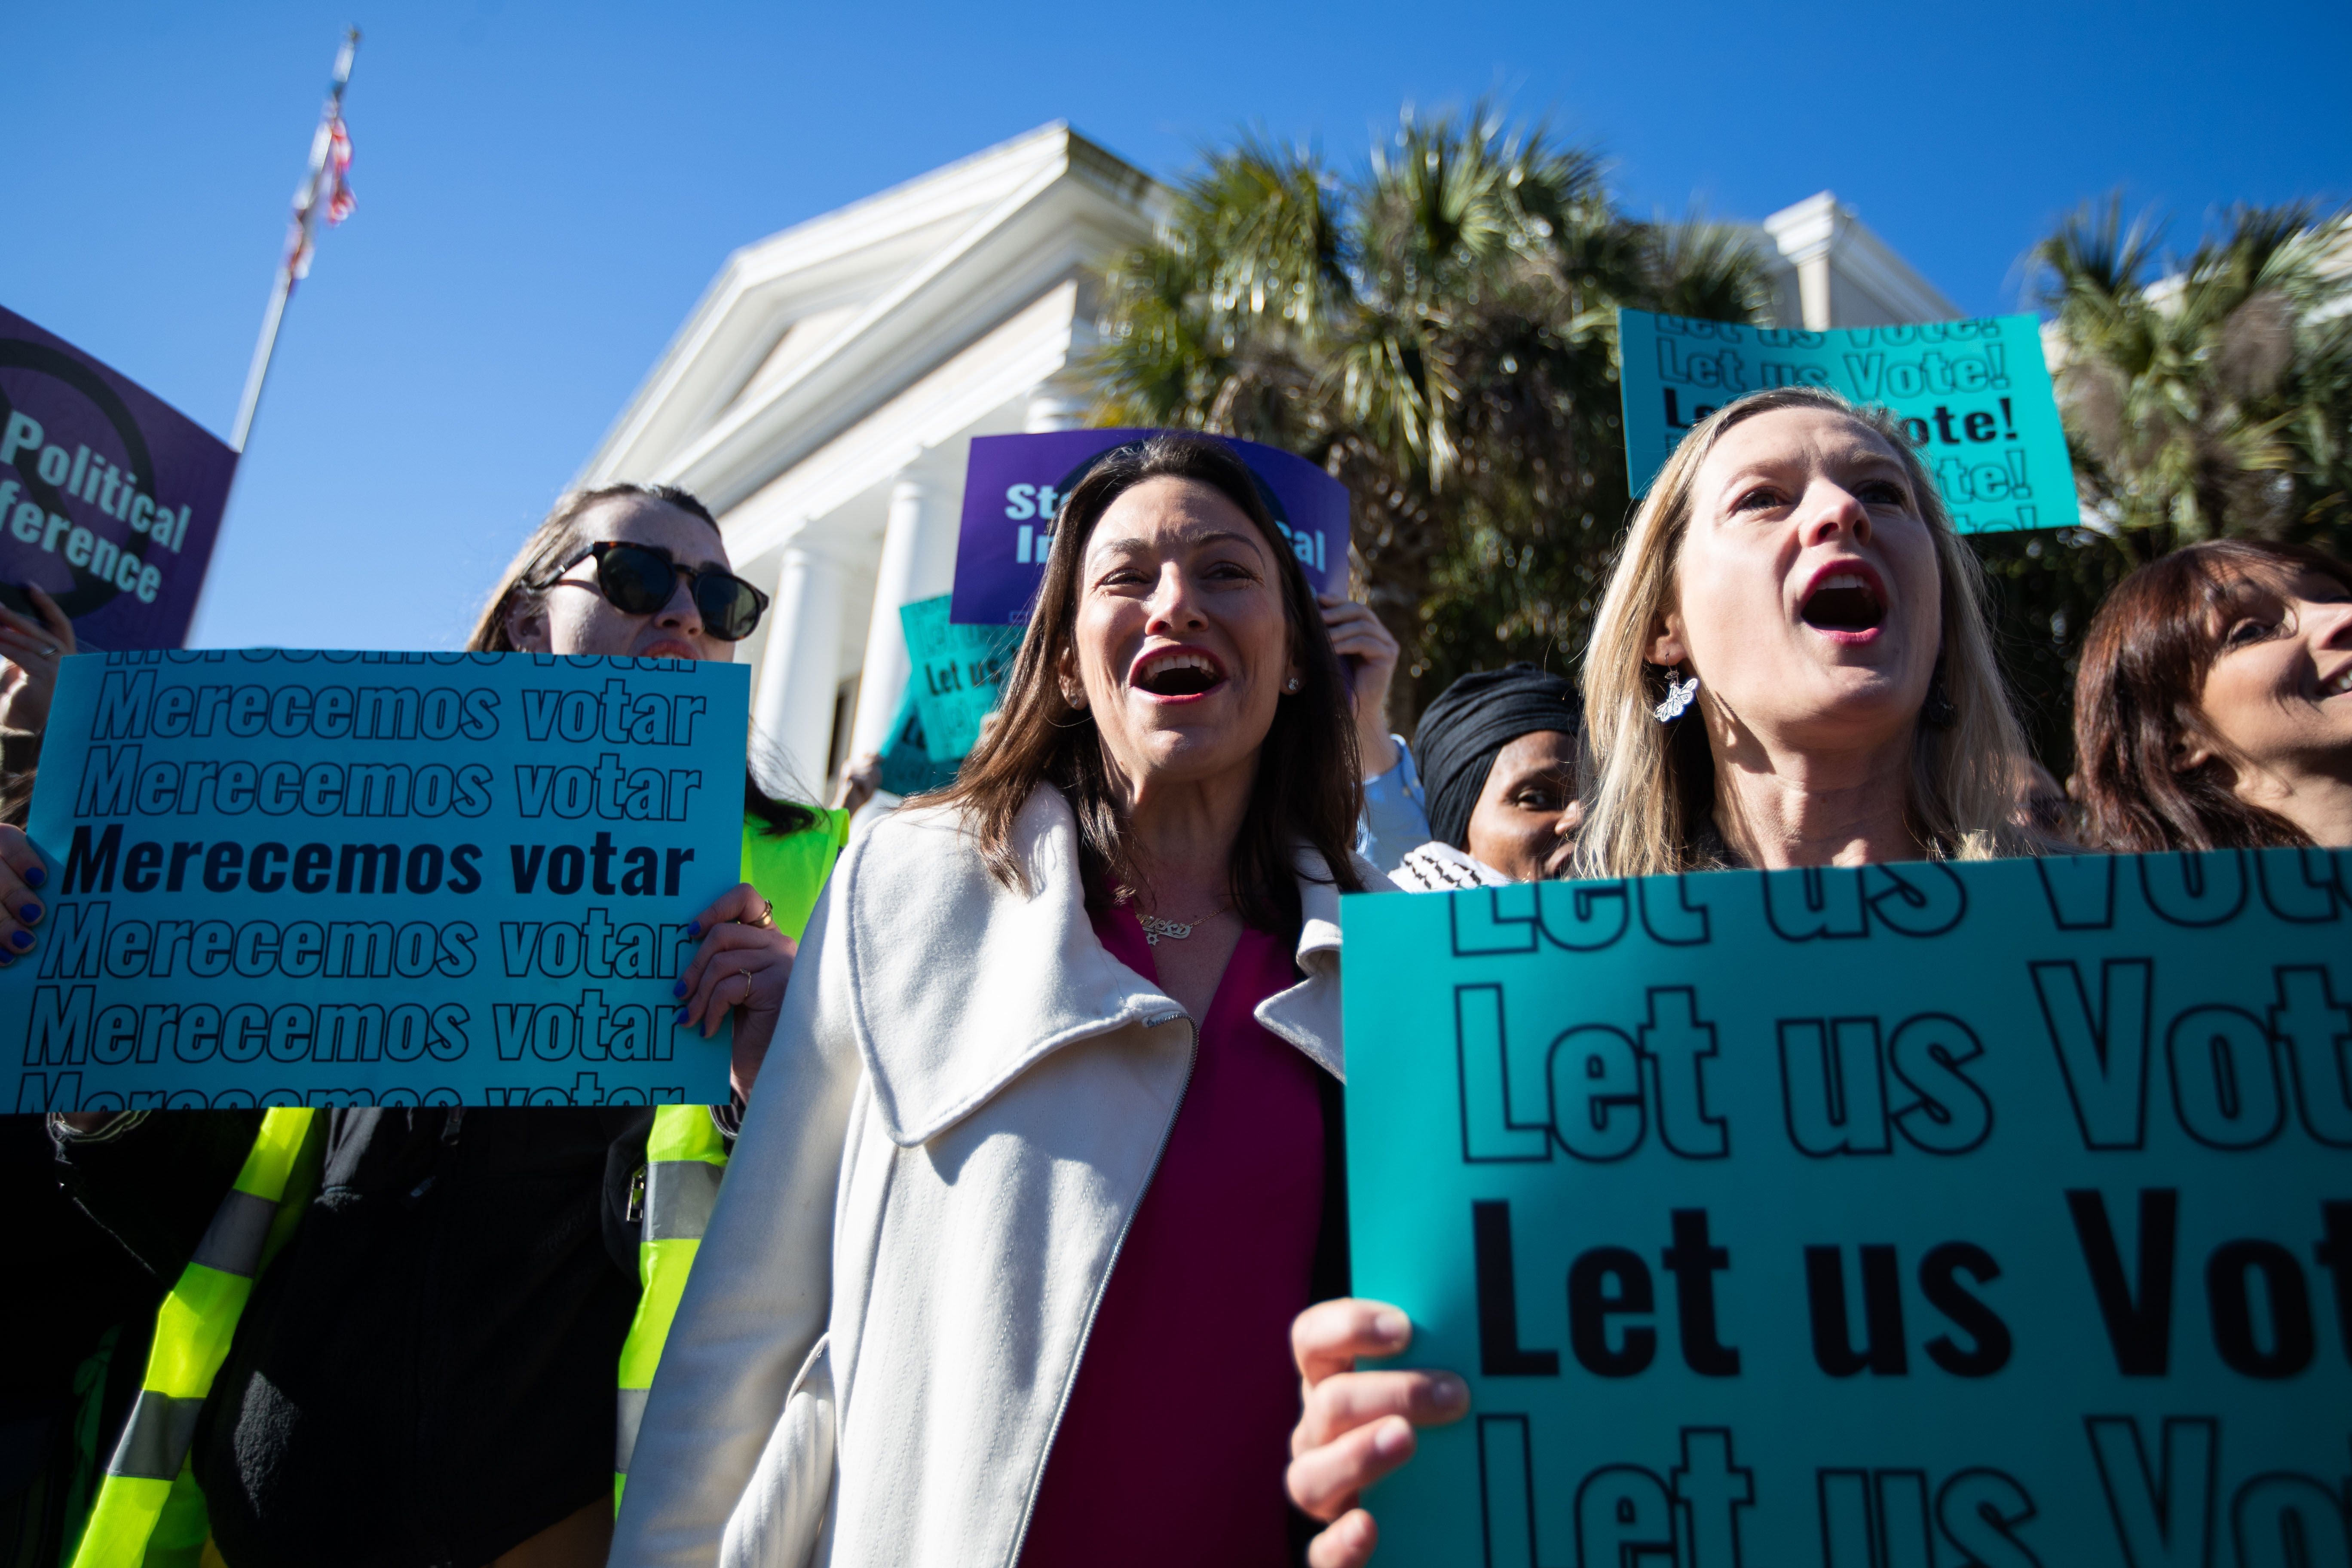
(1154, 927)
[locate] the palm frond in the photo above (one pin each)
(1709, 270)
(2092, 256)
(1261, 218)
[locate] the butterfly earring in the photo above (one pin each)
(1679, 697)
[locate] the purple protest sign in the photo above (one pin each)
(109, 498)
(1014, 484)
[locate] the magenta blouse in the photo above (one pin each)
(1172, 1448)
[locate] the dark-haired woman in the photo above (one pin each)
(1044, 1165)
(2213, 705)
(427, 1373)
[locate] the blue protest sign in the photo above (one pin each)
(1014, 485)
(109, 498)
(907, 766)
(289, 878)
(1974, 398)
(955, 674)
(1905, 1216)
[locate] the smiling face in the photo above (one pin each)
(1182, 648)
(573, 616)
(1808, 597)
(2278, 697)
(1525, 823)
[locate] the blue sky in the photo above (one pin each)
(545, 190)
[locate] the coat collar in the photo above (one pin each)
(960, 984)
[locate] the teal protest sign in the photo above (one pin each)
(1974, 397)
(1906, 1216)
(290, 878)
(956, 671)
(906, 765)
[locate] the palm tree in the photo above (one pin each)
(2202, 397)
(1438, 329)
(2216, 398)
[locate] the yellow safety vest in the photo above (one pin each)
(684, 1157)
(149, 1507)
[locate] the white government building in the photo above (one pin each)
(822, 394)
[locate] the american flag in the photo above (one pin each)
(325, 191)
(340, 204)
(329, 190)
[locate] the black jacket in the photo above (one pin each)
(75, 1314)
(424, 1375)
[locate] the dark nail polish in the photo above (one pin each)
(694, 929)
(22, 938)
(6, 961)
(681, 1015)
(32, 913)
(679, 989)
(35, 876)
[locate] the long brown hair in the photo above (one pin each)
(2137, 700)
(558, 538)
(1650, 787)
(1308, 786)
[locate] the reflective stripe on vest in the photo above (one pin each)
(148, 1507)
(685, 1158)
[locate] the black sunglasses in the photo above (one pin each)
(639, 579)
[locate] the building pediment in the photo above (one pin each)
(803, 333)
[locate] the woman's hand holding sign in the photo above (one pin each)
(1356, 1426)
(743, 965)
(32, 650)
(21, 908)
(1368, 653)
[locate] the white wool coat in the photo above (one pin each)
(966, 1099)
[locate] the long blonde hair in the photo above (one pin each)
(1650, 787)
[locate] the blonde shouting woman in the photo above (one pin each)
(1792, 666)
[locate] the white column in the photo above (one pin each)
(1806, 232)
(1813, 292)
(918, 546)
(800, 670)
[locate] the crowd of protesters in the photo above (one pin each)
(1031, 1245)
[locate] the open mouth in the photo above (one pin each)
(1177, 672)
(2339, 685)
(1844, 601)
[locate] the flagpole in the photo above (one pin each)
(297, 249)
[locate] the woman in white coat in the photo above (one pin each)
(1044, 1160)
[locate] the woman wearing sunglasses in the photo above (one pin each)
(642, 573)
(427, 1373)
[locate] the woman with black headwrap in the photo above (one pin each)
(1496, 754)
